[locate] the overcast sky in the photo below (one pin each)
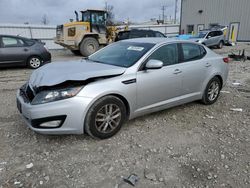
(60, 11)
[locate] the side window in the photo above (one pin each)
(136, 34)
(12, 42)
(149, 34)
(168, 54)
(203, 51)
(211, 34)
(192, 52)
(219, 33)
(158, 34)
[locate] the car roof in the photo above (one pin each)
(157, 40)
(146, 30)
(13, 36)
(209, 30)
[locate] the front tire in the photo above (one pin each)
(105, 117)
(34, 62)
(212, 91)
(89, 46)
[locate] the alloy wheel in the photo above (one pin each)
(108, 118)
(213, 91)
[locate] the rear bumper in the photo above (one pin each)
(46, 57)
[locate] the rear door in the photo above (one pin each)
(13, 51)
(194, 68)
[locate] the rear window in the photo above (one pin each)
(29, 42)
(192, 52)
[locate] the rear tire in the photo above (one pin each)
(89, 46)
(34, 62)
(105, 117)
(220, 45)
(212, 91)
(76, 52)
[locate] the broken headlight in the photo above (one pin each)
(55, 95)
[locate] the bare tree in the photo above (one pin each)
(45, 20)
(110, 13)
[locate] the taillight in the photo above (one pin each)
(46, 48)
(226, 60)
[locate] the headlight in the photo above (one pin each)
(55, 95)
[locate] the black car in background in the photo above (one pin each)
(20, 51)
(138, 33)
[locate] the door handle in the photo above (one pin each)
(25, 49)
(208, 65)
(177, 71)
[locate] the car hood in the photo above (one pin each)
(60, 72)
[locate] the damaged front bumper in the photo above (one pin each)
(59, 117)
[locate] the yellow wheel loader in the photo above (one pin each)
(85, 35)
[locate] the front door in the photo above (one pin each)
(233, 32)
(13, 51)
(156, 86)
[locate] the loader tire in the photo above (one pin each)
(89, 46)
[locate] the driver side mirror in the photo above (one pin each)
(154, 64)
(208, 37)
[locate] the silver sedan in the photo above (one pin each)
(122, 81)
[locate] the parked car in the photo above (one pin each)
(20, 51)
(122, 81)
(138, 33)
(210, 38)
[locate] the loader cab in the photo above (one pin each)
(97, 20)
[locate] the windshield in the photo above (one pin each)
(201, 35)
(122, 54)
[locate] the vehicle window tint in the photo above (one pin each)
(136, 34)
(168, 54)
(158, 34)
(12, 42)
(219, 33)
(203, 51)
(150, 34)
(211, 34)
(29, 42)
(123, 35)
(191, 52)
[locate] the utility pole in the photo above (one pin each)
(175, 11)
(106, 5)
(163, 13)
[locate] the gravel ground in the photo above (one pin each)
(187, 146)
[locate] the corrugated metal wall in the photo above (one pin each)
(44, 33)
(222, 12)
